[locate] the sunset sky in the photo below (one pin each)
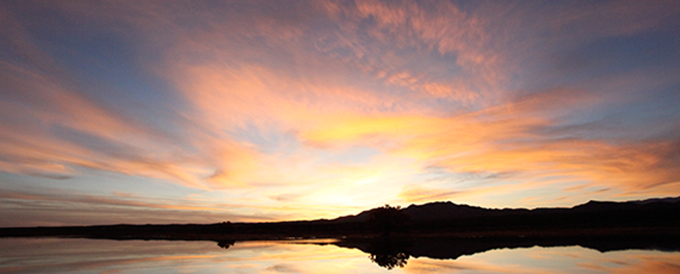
(206, 111)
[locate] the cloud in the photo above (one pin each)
(51, 125)
(340, 103)
(433, 48)
(421, 194)
(55, 207)
(227, 92)
(510, 139)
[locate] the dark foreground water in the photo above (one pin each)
(50, 255)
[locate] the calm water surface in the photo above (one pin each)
(108, 256)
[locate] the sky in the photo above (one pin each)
(208, 111)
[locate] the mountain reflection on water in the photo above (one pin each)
(382, 255)
(390, 253)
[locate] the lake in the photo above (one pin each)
(56, 255)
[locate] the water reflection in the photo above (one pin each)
(225, 243)
(384, 255)
(388, 253)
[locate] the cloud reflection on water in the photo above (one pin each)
(105, 256)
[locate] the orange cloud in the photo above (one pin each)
(508, 140)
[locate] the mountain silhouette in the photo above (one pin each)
(427, 212)
(644, 218)
(449, 211)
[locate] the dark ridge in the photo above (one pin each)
(652, 217)
(615, 211)
(444, 210)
